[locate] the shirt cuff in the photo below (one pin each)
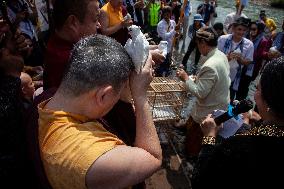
(190, 84)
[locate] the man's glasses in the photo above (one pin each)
(253, 29)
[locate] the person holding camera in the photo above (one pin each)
(206, 10)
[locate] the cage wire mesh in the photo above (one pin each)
(166, 98)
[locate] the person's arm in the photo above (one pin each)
(204, 167)
(157, 55)
(182, 10)
(202, 86)
(124, 166)
(278, 39)
(200, 9)
(241, 60)
(277, 42)
(145, 128)
(227, 23)
(104, 21)
(272, 25)
(220, 45)
(190, 31)
(121, 167)
(212, 11)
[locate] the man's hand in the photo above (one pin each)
(157, 56)
(229, 56)
(238, 57)
(182, 74)
(126, 23)
(139, 83)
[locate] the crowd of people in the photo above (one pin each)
(75, 114)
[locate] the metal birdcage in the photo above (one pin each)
(166, 97)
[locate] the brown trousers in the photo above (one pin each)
(193, 137)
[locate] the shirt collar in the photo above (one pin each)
(211, 53)
(60, 115)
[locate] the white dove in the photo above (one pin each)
(137, 47)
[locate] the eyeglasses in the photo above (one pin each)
(253, 29)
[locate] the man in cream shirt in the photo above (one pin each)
(210, 86)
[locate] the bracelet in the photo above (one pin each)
(208, 140)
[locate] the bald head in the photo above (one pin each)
(27, 84)
(25, 78)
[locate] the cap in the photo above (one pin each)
(197, 17)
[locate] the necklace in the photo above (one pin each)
(266, 130)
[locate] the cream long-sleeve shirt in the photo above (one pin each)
(211, 85)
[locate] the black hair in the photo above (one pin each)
(62, 9)
(260, 26)
(218, 26)
(242, 21)
(166, 9)
(272, 82)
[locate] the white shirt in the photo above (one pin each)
(230, 18)
(167, 32)
(233, 63)
(247, 52)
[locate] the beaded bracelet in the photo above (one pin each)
(208, 140)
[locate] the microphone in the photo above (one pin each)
(243, 106)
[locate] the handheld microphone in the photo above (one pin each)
(243, 106)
